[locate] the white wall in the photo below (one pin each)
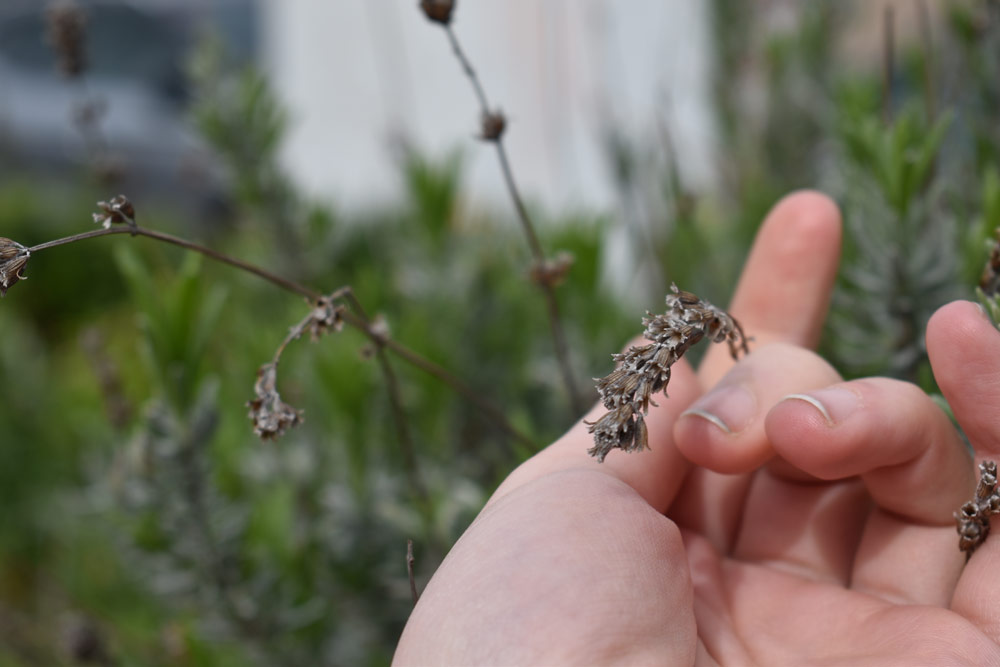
(353, 72)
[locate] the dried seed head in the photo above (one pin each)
(553, 271)
(66, 34)
(326, 317)
(13, 259)
(271, 416)
(492, 125)
(118, 210)
(438, 11)
(645, 370)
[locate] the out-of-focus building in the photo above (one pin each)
(359, 76)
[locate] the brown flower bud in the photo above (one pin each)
(491, 125)
(118, 210)
(66, 34)
(13, 258)
(438, 11)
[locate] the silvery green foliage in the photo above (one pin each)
(891, 287)
(902, 255)
(292, 568)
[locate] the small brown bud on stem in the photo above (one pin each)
(492, 125)
(118, 210)
(438, 11)
(552, 272)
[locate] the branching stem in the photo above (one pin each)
(548, 289)
(359, 322)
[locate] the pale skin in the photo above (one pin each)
(781, 517)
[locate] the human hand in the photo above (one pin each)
(572, 561)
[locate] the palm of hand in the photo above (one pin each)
(828, 540)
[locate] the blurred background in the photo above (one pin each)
(143, 523)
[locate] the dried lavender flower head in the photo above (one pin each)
(13, 259)
(118, 210)
(643, 371)
(271, 416)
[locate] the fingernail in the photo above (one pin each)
(835, 403)
(730, 408)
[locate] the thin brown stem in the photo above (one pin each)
(924, 17)
(356, 321)
(284, 283)
(467, 68)
(431, 368)
(888, 58)
(552, 307)
(396, 403)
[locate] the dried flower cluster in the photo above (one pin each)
(989, 282)
(326, 317)
(438, 11)
(271, 416)
(643, 371)
(492, 125)
(13, 259)
(118, 210)
(66, 33)
(973, 519)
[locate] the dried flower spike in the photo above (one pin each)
(271, 416)
(66, 34)
(13, 258)
(117, 211)
(973, 519)
(491, 125)
(438, 11)
(643, 371)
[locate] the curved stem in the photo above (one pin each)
(538, 254)
(284, 283)
(359, 322)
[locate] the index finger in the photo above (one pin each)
(785, 287)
